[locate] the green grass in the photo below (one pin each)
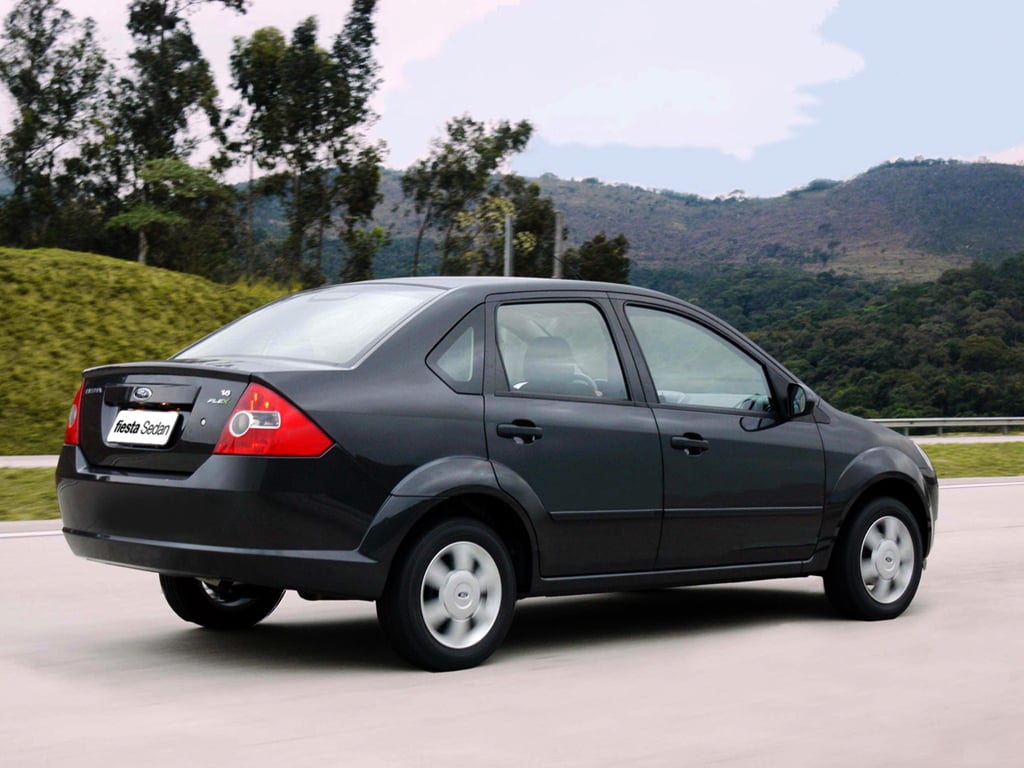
(29, 494)
(978, 460)
(63, 311)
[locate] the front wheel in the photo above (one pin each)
(876, 565)
(221, 605)
(449, 600)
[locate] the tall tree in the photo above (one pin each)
(307, 116)
(599, 258)
(53, 69)
(477, 239)
(170, 82)
(456, 175)
(534, 216)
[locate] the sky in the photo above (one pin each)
(696, 96)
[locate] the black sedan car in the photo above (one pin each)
(444, 446)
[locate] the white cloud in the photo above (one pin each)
(407, 30)
(1010, 156)
(413, 30)
(731, 75)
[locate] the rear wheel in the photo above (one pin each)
(449, 601)
(221, 605)
(876, 565)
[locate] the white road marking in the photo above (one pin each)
(27, 534)
(981, 485)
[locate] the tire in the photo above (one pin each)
(224, 606)
(450, 597)
(876, 564)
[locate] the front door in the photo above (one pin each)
(743, 485)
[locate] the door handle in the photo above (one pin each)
(691, 444)
(521, 430)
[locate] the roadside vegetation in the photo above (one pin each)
(977, 460)
(27, 494)
(63, 312)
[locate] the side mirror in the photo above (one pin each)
(799, 402)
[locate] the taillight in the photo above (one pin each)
(71, 429)
(264, 423)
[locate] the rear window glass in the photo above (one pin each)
(335, 325)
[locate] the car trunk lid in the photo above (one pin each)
(164, 417)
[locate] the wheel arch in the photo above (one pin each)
(444, 489)
(903, 491)
(874, 474)
(494, 512)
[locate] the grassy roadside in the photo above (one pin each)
(29, 494)
(63, 311)
(977, 460)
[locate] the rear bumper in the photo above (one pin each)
(284, 523)
(334, 574)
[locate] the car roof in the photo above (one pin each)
(484, 286)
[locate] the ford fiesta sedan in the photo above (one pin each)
(445, 446)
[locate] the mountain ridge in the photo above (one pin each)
(904, 220)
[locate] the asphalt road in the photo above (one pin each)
(96, 671)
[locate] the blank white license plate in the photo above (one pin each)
(143, 427)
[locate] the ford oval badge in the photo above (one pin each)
(142, 393)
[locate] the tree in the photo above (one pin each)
(477, 239)
(363, 245)
(456, 175)
(307, 114)
(170, 82)
(599, 259)
(188, 218)
(535, 217)
(53, 69)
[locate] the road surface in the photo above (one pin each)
(97, 671)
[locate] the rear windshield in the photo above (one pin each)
(336, 325)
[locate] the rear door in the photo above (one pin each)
(567, 436)
(742, 484)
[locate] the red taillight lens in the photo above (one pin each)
(71, 430)
(264, 423)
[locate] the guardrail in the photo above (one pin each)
(1003, 423)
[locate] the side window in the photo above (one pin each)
(558, 348)
(692, 365)
(458, 359)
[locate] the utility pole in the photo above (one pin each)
(509, 271)
(556, 271)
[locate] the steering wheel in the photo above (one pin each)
(579, 376)
(755, 403)
(672, 397)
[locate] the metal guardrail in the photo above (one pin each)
(1003, 423)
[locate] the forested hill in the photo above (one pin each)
(907, 220)
(952, 347)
